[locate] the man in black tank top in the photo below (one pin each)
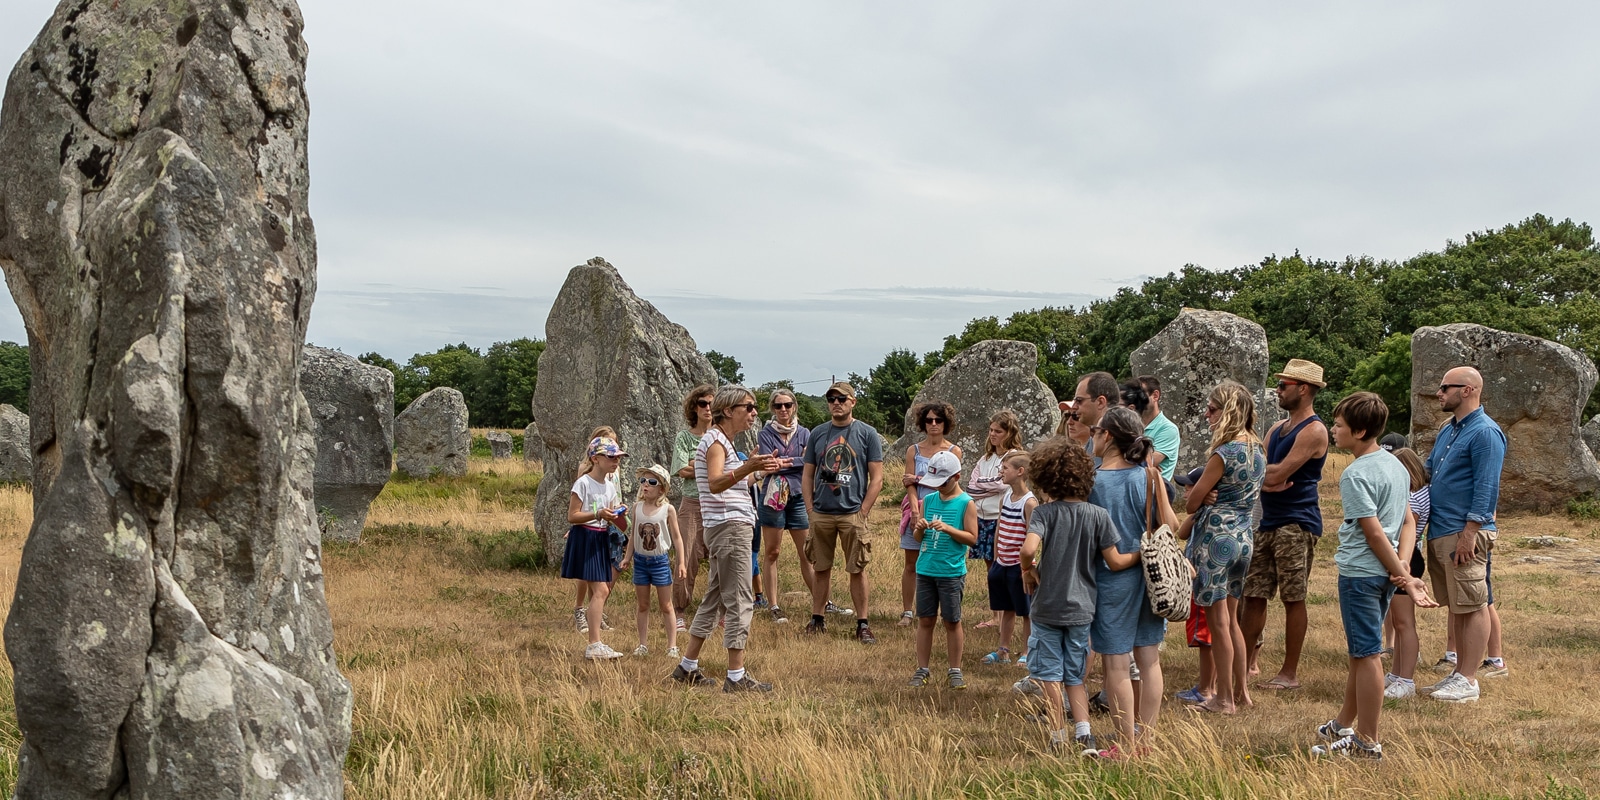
(1290, 524)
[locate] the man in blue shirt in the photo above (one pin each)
(1465, 467)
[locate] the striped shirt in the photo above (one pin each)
(1010, 530)
(733, 504)
(1422, 506)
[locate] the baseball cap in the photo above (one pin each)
(1188, 478)
(842, 388)
(1392, 441)
(941, 467)
(605, 446)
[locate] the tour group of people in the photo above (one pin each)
(1059, 528)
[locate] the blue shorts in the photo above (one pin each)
(1005, 590)
(940, 597)
(652, 570)
(1058, 655)
(1363, 603)
(791, 518)
(984, 549)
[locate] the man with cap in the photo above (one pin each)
(841, 479)
(1290, 523)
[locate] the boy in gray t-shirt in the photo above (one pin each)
(1066, 538)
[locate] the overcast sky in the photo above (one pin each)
(774, 176)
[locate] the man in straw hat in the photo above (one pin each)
(1291, 521)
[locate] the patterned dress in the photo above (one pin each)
(1223, 535)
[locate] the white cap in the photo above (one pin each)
(941, 468)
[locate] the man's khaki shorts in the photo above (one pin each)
(1464, 587)
(831, 530)
(1281, 563)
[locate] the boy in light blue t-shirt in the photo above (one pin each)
(949, 525)
(1375, 544)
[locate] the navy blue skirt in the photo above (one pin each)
(588, 556)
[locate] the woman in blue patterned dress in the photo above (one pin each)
(1223, 537)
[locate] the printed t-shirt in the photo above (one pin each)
(942, 556)
(841, 457)
(652, 536)
(595, 495)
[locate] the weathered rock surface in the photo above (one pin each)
(1191, 356)
(169, 634)
(431, 436)
(532, 445)
(610, 358)
(1591, 436)
(16, 446)
(352, 416)
(500, 444)
(979, 381)
(1534, 388)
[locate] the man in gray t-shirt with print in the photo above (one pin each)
(842, 476)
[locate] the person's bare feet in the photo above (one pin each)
(1212, 706)
(1280, 682)
(1252, 669)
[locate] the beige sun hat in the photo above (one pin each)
(1299, 369)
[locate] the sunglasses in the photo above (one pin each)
(836, 398)
(1070, 414)
(782, 406)
(745, 406)
(649, 482)
(932, 420)
(703, 403)
(1288, 384)
(1445, 387)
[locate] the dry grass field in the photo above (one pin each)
(469, 683)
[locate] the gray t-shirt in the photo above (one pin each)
(841, 457)
(1374, 485)
(1072, 535)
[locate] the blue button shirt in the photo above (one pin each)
(1465, 468)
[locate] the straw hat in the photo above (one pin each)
(1299, 369)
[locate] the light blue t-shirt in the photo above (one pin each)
(1163, 433)
(942, 556)
(1374, 485)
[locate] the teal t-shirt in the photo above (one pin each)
(1163, 433)
(1374, 485)
(942, 556)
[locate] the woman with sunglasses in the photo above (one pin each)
(782, 506)
(697, 414)
(1071, 427)
(935, 420)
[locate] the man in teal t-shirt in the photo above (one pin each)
(1161, 432)
(949, 525)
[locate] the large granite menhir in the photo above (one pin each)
(16, 446)
(431, 436)
(1193, 355)
(610, 358)
(352, 414)
(1534, 388)
(169, 633)
(980, 381)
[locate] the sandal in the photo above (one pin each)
(906, 617)
(988, 623)
(1001, 656)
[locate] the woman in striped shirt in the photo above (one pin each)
(1006, 594)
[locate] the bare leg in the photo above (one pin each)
(1228, 657)
(1055, 708)
(954, 640)
(1008, 620)
(1493, 650)
(908, 582)
(669, 616)
(597, 607)
(1253, 620)
(1403, 615)
(1474, 640)
(821, 580)
(1241, 686)
(771, 543)
(1119, 695)
(858, 592)
(1208, 672)
(1366, 678)
(1294, 627)
(807, 574)
(924, 641)
(642, 593)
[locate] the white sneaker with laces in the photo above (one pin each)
(1028, 686)
(1351, 746)
(641, 650)
(1457, 689)
(600, 651)
(1400, 689)
(672, 652)
(1331, 731)
(1434, 687)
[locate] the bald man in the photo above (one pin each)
(1465, 468)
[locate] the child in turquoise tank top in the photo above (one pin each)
(949, 525)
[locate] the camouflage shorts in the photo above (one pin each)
(1282, 563)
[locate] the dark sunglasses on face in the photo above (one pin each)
(932, 420)
(649, 482)
(836, 398)
(1071, 415)
(782, 406)
(1288, 385)
(745, 406)
(703, 403)
(1445, 387)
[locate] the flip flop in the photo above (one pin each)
(988, 623)
(1277, 684)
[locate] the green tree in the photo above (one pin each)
(15, 375)
(1387, 373)
(510, 372)
(728, 368)
(885, 393)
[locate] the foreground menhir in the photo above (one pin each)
(169, 634)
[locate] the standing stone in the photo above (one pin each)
(500, 444)
(1535, 389)
(531, 443)
(431, 436)
(1192, 356)
(981, 380)
(1591, 436)
(16, 447)
(169, 634)
(352, 415)
(610, 358)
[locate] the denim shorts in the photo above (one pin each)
(791, 518)
(652, 570)
(940, 597)
(1363, 603)
(1058, 655)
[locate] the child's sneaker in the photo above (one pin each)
(1493, 668)
(1331, 731)
(745, 684)
(600, 651)
(906, 619)
(605, 624)
(778, 617)
(1001, 656)
(1028, 686)
(641, 650)
(1400, 689)
(1457, 689)
(919, 678)
(761, 600)
(955, 679)
(1191, 695)
(1022, 661)
(695, 678)
(1098, 704)
(1351, 746)
(830, 608)
(1112, 753)
(1086, 744)
(682, 626)
(581, 617)
(672, 652)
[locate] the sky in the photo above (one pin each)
(806, 186)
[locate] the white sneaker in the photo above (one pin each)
(1133, 672)
(1400, 688)
(672, 652)
(1351, 746)
(1434, 687)
(641, 650)
(1389, 678)
(1331, 732)
(600, 651)
(1457, 689)
(1028, 686)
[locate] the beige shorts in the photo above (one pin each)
(1464, 587)
(828, 531)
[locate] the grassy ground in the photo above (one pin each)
(469, 683)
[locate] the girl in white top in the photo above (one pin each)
(985, 486)
(653, 541)
(592, 508)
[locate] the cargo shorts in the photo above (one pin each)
(1281, 564)
(831, 531)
